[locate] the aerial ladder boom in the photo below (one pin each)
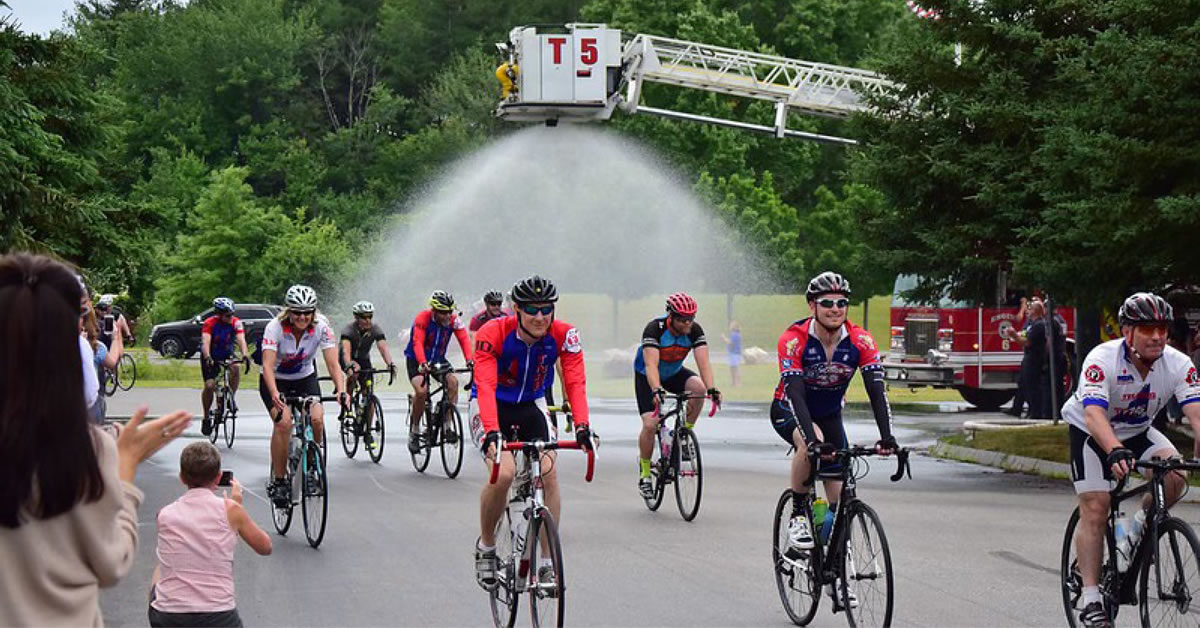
(586, 71)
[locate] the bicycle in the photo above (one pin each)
(678, 461)
(525, 530)
(854, 561)
(306, 473)
(224, 411)
(1169, 561)
(447, 433)
(123, 377)
(354, 421)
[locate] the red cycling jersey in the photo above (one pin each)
(429, 340)
(510, 370)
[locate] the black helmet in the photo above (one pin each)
(1145, 308)
(826, 283)
(534, 289)
(493, 297)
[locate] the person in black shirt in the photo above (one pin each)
(355, 354)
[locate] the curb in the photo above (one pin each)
(1001, 460)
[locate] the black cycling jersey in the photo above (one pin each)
(361, 341)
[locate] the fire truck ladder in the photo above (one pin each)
(810, 88)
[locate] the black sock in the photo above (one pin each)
(799, 500)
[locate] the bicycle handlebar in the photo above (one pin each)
(536, 447)
(1158, 464)
(855, 451)
(372, 371)
(682, 397)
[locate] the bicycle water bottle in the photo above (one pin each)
(1124, 545)
(665, 434)
(820, 509)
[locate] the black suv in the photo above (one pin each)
(181, 339)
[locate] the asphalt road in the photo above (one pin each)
(971, 546)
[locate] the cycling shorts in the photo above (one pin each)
(1089, 464)
(831, 430)
(414, 366)
(525, 421)
(308, 386)
(675, 384)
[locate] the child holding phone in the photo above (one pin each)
(197, 534)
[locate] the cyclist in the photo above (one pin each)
(817, 359)
(427, 343)
(492, 303)
(110, 319)
(217, 337)
(658, 368)
(514, 369)
(290, 345)
(1124, 383)
(355, 356)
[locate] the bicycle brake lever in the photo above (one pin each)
(902, 466)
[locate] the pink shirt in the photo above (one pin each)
(195, 551)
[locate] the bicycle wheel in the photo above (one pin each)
(420, 457)
(867, 583)
(547, 587)
(1170, 579)
(315, 485)
(689, 480)
(377, 431)
(658, 473)
(281, 516)
(217, 412)
(1072, 580)
(110, 381)
(796, 579)
(126, 372)
(452, 442)
(230, 422)
(503, 598)
(348, 427)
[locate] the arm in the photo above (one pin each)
(650, 357)
(383, 350)
(704, 365)
(1192, 412)
(335, 370)
(123, 325)
(239, 520)
(487, 343)
(464, 342)
(575, 377)
(418, 336)
(268, 375)
(877, 393)
(346, 357)
(206, 346)
(795, 394)
(1100, 428)
(114, 352)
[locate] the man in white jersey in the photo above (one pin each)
(1123, 384)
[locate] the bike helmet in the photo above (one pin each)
(301, 297)
(105, 301)
(681, 304)
(493, 298)
(1145, 308)
(534, 289)
(826, 283)
(441, 301)
(364, 308)
(223, 305)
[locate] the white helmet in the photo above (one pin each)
(363, 307)
(105, 301)
(301, 297)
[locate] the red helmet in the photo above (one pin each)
(681, 304)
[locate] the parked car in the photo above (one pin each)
(181, 339)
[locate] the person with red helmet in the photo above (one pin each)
(658, 369)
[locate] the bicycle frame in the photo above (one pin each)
(438, 409)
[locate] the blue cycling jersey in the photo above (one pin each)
(672, 349)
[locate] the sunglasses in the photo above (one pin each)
(683, 319)
(363, 317)
(302, 312)
(533, 310)
(828, 303)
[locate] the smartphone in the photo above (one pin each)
(226, 478)
(110, 322)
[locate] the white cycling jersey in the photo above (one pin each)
(1111, 381)
(294, 358)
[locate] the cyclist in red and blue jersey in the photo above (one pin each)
(817, 360)
(427, 344)
(658, 369)
(217, 338)
(514, 369)
(492, 308)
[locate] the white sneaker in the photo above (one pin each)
(835, 594)
(799, 535)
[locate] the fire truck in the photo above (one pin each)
(960, 345)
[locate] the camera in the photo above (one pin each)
(226, 478)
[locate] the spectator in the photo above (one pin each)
(68, 506)
(104, 357)
(1022, 321)
(197, 534)
(733, 347)
(1033, 362)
